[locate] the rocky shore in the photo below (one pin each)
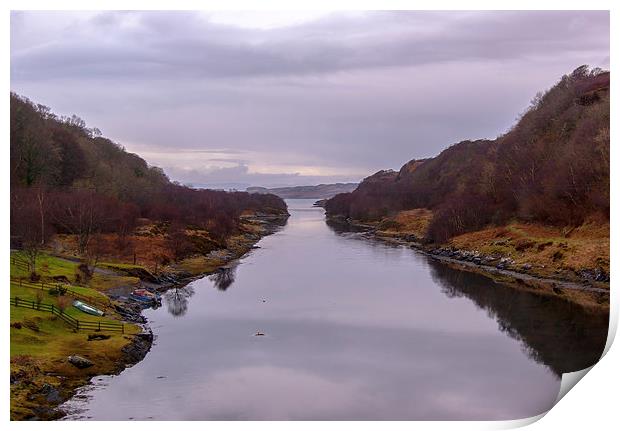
(587, 287)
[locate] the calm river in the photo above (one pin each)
(354, 329)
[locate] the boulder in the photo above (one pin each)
(79, 362)
(96, 337)
(138, 348)
(50, 393)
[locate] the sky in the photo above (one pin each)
(237, 99)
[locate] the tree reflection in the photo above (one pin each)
(223, 277)
(341, 227)
(553, 331)
(560, 334)
(177, 300)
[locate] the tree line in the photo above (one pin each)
(68, 179)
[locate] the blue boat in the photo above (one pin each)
(144, 296)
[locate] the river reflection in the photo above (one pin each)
(560, 334)
(353, 330)
(177, 300)
(223, 278)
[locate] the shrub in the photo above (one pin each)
(38, 298)
(63, 303)
(31, 324)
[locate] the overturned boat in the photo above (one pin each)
(89, 309)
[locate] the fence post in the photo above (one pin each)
(77, 324)
(20, 282)
(122, 328)
(99, 326)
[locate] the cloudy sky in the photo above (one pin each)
(265, 98)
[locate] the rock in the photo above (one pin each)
(130, 312)
(597, 274)
(50, 393)
(45, 413)
(96, 337)
(79, 362)
(259, 334)
(600, 275)
(526, 266)
(138, 348)
(504, 263)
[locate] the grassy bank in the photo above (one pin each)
(41, 376)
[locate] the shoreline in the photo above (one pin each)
(586, 293)
(141, 343)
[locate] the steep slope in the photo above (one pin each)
(552, 167)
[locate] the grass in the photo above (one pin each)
(103, 282)
(412, 222)
(40, 342)
(199, 264)
(29, 294)
(39, 356)
(548, 249)
(551, 251)
(113, 266)
(47, 265)
(29, 290)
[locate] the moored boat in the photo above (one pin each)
(144, 296)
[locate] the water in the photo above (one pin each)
(354, 329)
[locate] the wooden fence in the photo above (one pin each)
(76, 324)
(46, 286)
(20, 263)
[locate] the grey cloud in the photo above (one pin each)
(340, 96)
(180, 44)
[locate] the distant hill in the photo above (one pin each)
(552, 167)
(321, 191)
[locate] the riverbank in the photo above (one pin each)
(543, 265)
(42, 378)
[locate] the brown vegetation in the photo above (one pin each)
(551, 168)
(68, 180)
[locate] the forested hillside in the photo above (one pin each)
(68, 179)
(552, 168)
